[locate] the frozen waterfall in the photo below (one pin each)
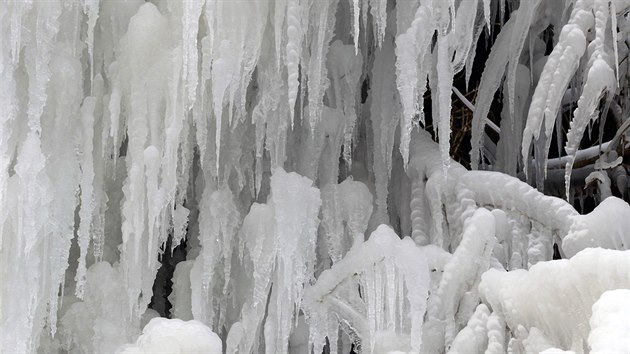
(297, 176)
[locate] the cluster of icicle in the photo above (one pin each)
(583, 75)
(128, 123)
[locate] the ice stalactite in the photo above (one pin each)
(258, 237)
(191, 11)
(513, 129)
(441, 94)
(219, 220)
(356, 20)
(419, 63)
(142, 202)
(490, 81)
(345, 70)
(378, 10)
(524, 17)
(318, 41)
(38, 200)
(384, 111)
(180, 297)
(86, 185)
(412, 51)
(270, 115)
(100, 322)
(296, 205)
(295, 36)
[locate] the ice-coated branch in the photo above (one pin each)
(554, 80)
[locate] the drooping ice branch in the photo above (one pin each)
(404, 261)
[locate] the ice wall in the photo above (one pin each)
(280, 145)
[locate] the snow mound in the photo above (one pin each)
(529, 299)
(162, 335)
(610, 323)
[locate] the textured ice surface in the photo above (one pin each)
(262, 168)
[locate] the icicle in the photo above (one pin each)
(145, 54)
(234, 336)
(258, 233)
(444, 69)
(90, 8)
(348, 204)
(384, 112)
(101, 148)
(28, 222)
(280, 12)
(490, 82)
(151, 157)
(486, 12)
(356, 200)
(613, 26)
(219, 220)
(410, 81)
(180, 223)
(356, 29)
(222, 74)
(524, 19)
(464, 34)
(87, 196)
(296, 255)
(293, 50)
(345, 70)
(370, 259)
(180, 297)
(378, 9)
(473, 49)
(324, 23)
(332, 222)
(190, 25)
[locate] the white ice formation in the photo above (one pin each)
(175, 336)
(263, 174)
